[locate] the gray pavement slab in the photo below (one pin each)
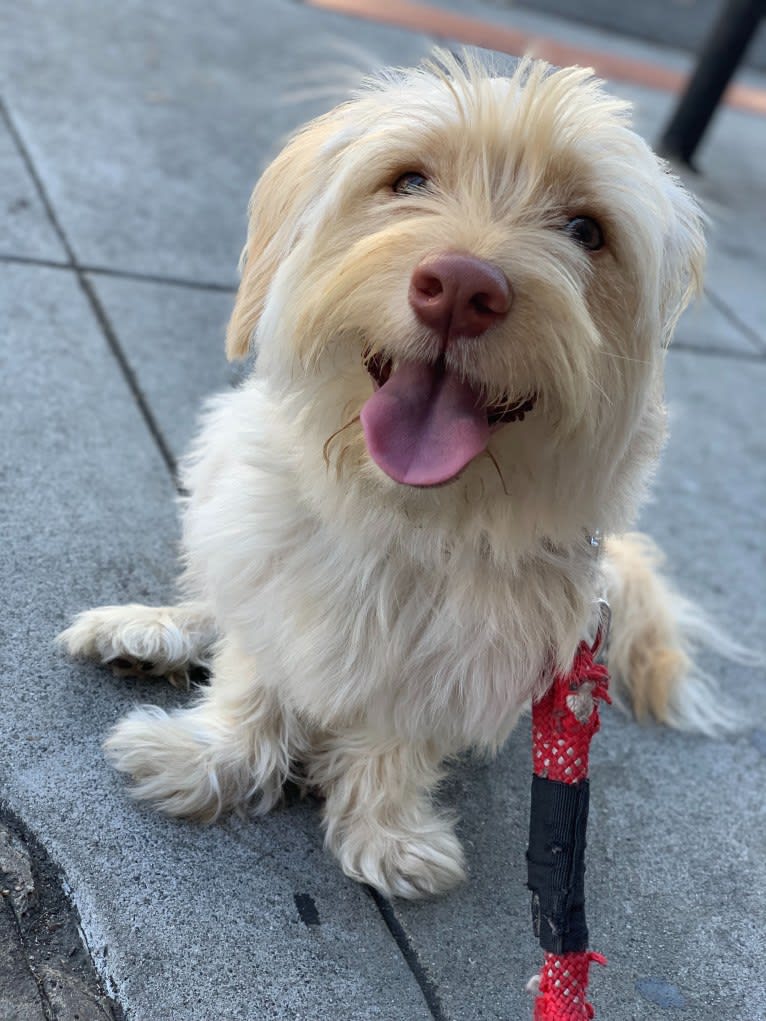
(732, 188)
(173, 338)
(183, 922)
(709, 505)
(173, 109)
(25, 230)
(706, 326)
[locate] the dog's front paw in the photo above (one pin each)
(170, 762)
(400, 863)
(135, 640)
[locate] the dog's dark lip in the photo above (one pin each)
(497, 414)
(379, 367)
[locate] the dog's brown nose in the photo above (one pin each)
(459, 295)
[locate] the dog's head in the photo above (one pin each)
(476, 275)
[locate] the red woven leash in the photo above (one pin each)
(564, 721)
(563, 987)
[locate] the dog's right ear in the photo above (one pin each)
(280, 196)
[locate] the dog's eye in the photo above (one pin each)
(586, 232)
(410, 182)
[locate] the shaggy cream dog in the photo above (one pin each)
(460, 286)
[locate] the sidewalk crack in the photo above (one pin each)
(26, 157)
(718, 352)
(744, 328)
(129, 375)
(120, 274)
(85, 285)
(410, 955)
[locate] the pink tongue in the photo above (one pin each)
(424, 424)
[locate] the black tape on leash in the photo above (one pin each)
(556, 863)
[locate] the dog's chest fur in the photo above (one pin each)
(348, 629)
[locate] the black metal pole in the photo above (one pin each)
(720, 57)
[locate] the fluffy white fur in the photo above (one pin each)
(366, 631)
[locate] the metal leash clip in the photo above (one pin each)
(601, 640)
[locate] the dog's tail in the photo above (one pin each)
(657, 641)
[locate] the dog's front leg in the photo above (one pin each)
(379, 817)
(231, 750)
(161, 641)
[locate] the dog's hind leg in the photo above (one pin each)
(163, 641)
(230, 750)
(379, 818)
(655, 631)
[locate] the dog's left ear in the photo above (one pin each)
(280, 196)
(683, 255)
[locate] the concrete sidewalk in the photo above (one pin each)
(130, 137)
